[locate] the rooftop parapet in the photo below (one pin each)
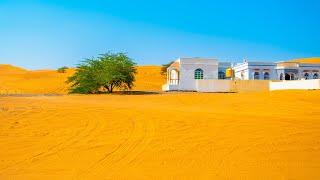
(282, 65)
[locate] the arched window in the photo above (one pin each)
(281, 76)
(174, 74)
(174, 77)
(306, 76)
(315, 76)
(198, 74)
(221, 75)
(266, 76)
(256, 75)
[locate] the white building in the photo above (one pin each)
(255, 71)
(296, 71)
(184, 72)
(276, 71)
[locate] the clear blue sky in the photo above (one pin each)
(50, 34)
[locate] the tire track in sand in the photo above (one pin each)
(125, 153)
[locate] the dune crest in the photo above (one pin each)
(9, 69)
(307, 60)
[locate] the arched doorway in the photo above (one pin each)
(316, 76)
(306, 76)
(281, 76)
(287, 76)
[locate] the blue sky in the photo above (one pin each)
(50, 34)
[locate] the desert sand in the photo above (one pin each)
(161, 136)
(260, 135)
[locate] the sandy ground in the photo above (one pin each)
(161, 136)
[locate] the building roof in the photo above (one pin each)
(196, 60)
(175, 65)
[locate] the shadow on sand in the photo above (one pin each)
(135, 92)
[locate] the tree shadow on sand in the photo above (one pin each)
(135, 92)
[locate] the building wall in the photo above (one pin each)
(262, 70)
(188, 67)
(291, 71)
(232, 85)
(253, 85)
(250, 85)
(299, 84)
(213, 85)
(241, 71)
(311, 69)
(245, 71)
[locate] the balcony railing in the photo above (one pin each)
(174, 81)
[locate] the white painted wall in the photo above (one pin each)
(189, 65)
(170, 87)
(213, 85)
(248, 69)
(311, 70)
(298, 84)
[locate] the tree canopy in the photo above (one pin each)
(103, 74)
(62, 69)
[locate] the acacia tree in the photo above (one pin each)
(104, 73)
(62, 69)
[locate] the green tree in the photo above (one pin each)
(62, 69)
(165, 67)
(103, 74)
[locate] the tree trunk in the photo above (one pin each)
(109, 88)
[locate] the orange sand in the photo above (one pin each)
(308, 60)
(14, 80)
(267, 135)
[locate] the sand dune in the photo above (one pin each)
(15, 80)
(162, 136)
(308, 60)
